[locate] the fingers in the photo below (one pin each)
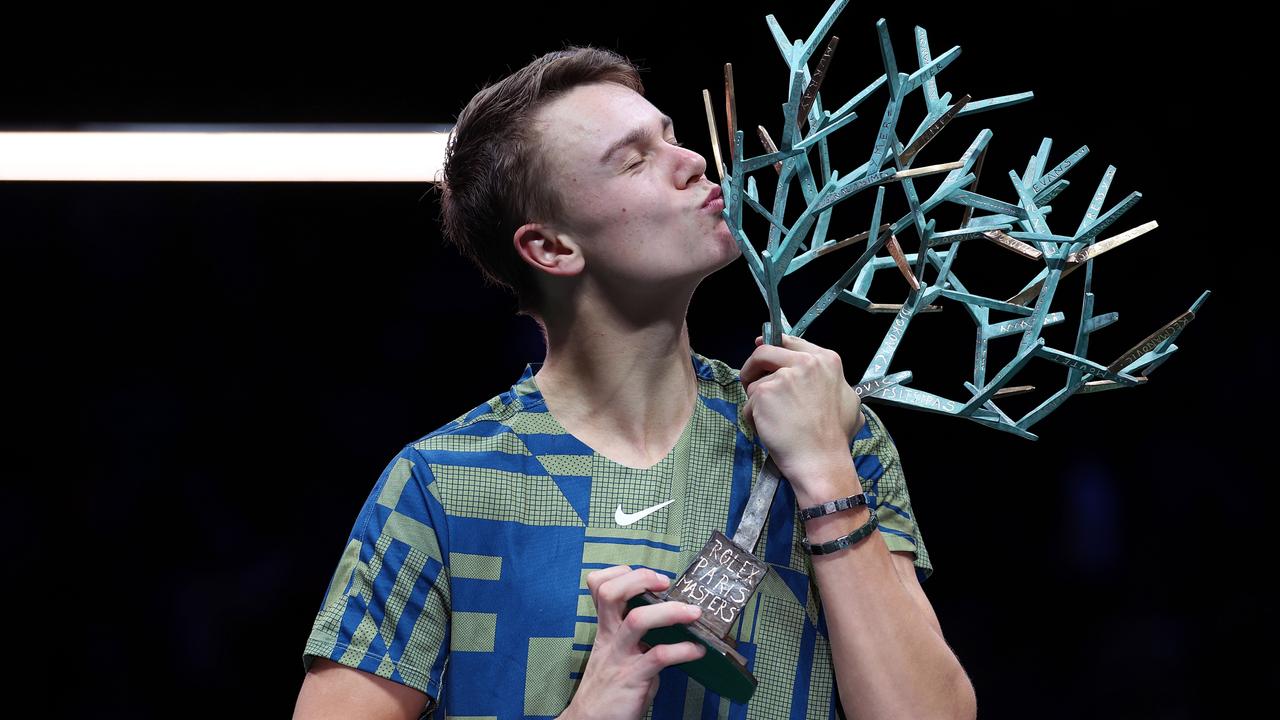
(612, 592)
(645, 618)
(621, 676)
(596, 578)
(612, 587)
(764, 360)
(802, 345)
(793, 342)
(661, 656)
(799, 343)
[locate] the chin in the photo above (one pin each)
(735, 250)
(729, 260)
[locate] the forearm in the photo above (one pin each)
(889, 661)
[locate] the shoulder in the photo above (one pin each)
(880, 470)
(873, 430)
(717, 372)
(876, 459)
(493, 425)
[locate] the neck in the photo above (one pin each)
(624, 379)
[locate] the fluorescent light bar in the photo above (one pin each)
(226, 153)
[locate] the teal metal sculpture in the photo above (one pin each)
(1019, 225)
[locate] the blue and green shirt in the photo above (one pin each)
(464, 575)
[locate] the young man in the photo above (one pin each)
(488, 572)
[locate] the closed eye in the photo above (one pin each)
(640, 160)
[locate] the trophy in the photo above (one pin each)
(723, 576)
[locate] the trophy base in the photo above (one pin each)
(721, 670)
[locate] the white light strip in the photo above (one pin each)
(224, 156)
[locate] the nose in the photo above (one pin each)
(692, 168)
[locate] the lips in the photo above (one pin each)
(712, 196)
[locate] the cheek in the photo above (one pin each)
(589, 211)
(634, 218)
(630, 211)
(642, 205)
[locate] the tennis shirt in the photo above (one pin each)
(464, 575)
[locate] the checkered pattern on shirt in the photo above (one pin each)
(464, 575)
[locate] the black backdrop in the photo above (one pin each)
(209, 377)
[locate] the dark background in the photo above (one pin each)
(209, 377)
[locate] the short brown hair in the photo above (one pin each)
(495, 175)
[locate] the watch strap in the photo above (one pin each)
(832, 506)
(843, 542)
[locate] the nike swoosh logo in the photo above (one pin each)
(625, 519)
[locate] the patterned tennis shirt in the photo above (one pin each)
(464, 575)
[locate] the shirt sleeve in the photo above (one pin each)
(387, 607)
(880, 471)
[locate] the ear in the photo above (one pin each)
(548, 249)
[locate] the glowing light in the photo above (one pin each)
(226, 153)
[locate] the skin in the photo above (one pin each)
(618, 271)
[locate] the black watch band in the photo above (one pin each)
(843, 542)
(831, 506)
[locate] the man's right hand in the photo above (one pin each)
(621, 677)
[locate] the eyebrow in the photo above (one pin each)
(633, 137)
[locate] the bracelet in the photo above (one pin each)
(843, 542)
(831, 506)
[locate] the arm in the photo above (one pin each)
(392, 573)
(887, 650)
(887, 647)
(332, 690)
(904, 563)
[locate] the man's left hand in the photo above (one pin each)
(802, 407)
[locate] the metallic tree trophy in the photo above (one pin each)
(725, 573)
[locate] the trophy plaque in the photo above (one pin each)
(720, 580)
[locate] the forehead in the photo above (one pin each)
(580, 125)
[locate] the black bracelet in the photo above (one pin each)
(831, 506)
(843, 542)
